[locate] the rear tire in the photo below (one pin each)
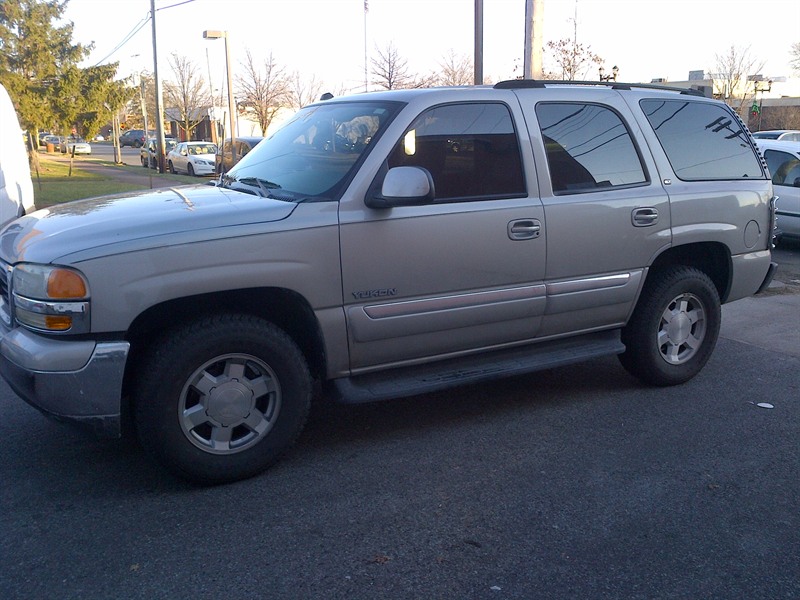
(674, 327)
(171, 168)
(222, 398)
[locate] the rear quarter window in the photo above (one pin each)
(702, 141)
(589, 148)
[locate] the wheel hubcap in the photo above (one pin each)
(682, 329)
(229, 404)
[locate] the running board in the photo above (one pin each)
(422, 379)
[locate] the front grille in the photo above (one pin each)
(5, 293)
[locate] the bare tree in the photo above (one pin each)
(187, 96)
(390, 71)
(263, 89)
(573, 60)
(733, 77)
(455, 70)
(794, 61)
(303, 91)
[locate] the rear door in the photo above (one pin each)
(463, 272)
(607, 213)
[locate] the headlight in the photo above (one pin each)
(50, 298)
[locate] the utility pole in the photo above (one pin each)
(478, 42)
(159, 109)
(534, 23)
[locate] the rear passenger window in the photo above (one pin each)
(471, 151)
(588, 148)
(702, 141)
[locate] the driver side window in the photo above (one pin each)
(471, 151)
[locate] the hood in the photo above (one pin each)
(112, 224)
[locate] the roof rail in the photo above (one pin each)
(517, 84)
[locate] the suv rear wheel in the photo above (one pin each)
(222, 398)
(674, 327)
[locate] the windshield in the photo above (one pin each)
(313, 155)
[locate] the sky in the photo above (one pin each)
(328, 39)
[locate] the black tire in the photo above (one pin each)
(222, 398)
(137, 144)
(674, 327)
(171, 168)
(190, 170)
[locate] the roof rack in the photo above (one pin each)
(517, 84)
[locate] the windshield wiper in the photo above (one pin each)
(262, 184)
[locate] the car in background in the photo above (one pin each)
(224, 162)
(783, 162)
(134, 137)
(147, 154)
(74, 145)
(784, 135)
(52, 139)
(192, 158)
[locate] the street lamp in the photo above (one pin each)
(760, 88)
(612, 77)
(210, 34)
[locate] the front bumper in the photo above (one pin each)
(75, 381)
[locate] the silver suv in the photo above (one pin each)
(385, 245)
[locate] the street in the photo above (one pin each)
(571, 483)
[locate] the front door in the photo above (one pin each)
(461, 273)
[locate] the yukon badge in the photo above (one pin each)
(375, 293)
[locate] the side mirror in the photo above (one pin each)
(404, 186)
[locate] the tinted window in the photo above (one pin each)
(588, 148)
(470, 150)
(784, 167)
(702, 140)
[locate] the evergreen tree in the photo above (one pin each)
(39, 68)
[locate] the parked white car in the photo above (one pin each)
(192, 158)
(783, 161)
(784, 135)
(16, 189)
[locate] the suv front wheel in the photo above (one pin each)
(674, 327)
(222, 398)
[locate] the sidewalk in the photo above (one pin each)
(771, 322)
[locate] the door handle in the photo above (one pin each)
(524, 229)
(644, 217)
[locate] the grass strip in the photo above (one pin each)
(55, 185)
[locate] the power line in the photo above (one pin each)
(136, 29)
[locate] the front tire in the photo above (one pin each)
(172, 168)
(222, 398)
(674, 328)
(190, 170)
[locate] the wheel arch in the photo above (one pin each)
(285, 308)
(712, 258)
